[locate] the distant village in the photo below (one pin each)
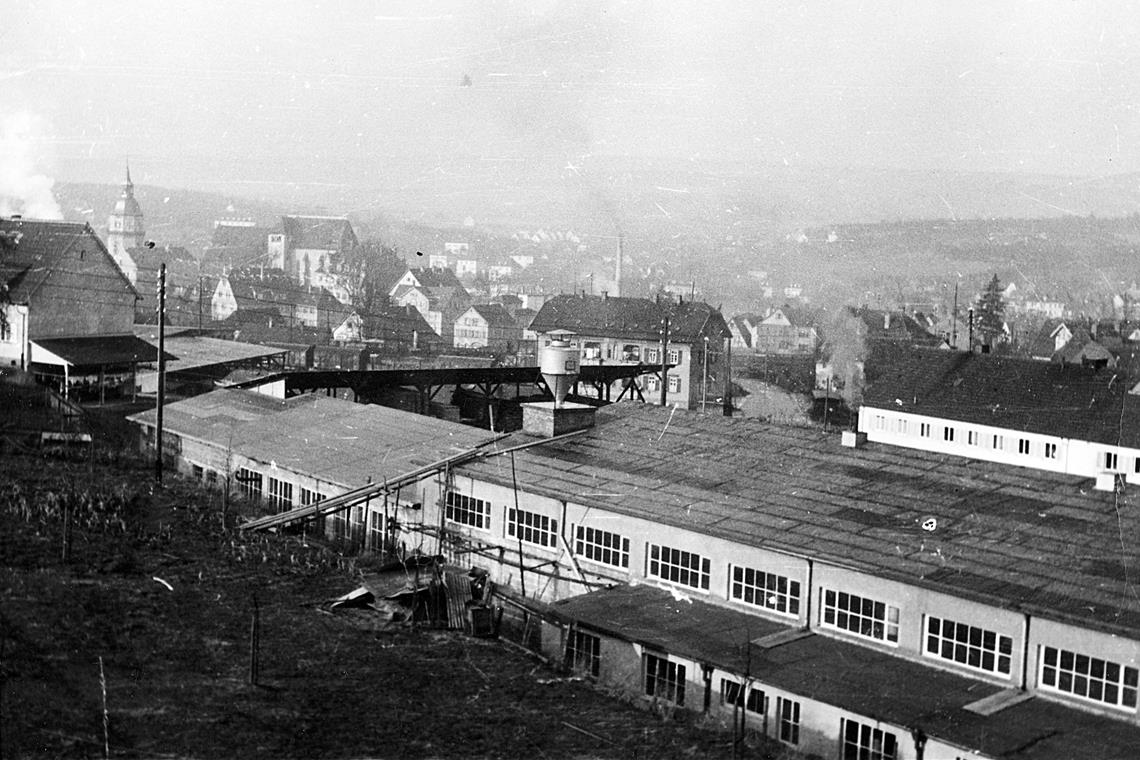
(937, 561)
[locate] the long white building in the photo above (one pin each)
(878, 601)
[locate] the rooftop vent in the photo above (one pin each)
(852, 439)
(558, 363)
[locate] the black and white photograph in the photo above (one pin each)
(585, 379)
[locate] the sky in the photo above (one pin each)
(358, 91)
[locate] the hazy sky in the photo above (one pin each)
(300, 90)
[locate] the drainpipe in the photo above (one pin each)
(1025, 654)
(810, 593)
(707, 671)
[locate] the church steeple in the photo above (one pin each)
(125, 229)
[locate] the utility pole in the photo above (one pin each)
(727, 409)
(664, 363)
(954, 321)
(199, 302)
(705, 376)
(161, 371)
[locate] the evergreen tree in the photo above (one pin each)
(989, 314)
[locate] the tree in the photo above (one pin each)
(989, 313)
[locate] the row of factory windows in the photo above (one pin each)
(666, 679)
(1108, 459)
(969, 646)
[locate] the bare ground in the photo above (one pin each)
(176, 662)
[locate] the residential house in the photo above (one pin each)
(69, 308)
(741, 326)
(612, 330)
(438, 296)
(875, 601)
(276, 293)
(399, 330)
(787, 330)
(487, 326)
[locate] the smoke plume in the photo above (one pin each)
(24, 189)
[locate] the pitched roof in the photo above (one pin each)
(894, 327)
(1069, 401)
(437, 277)
(330, 233)
(31, 248)
(633, 318)
(246, 238)
(495, 314)
(1020, 539)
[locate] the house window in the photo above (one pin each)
(601, 546)
(467, 510)
(651, 356)
(1022, 445)
(664, 679)
(653, 383)
(999, 443)
(968, 645)
(674, 356)
(972, 437)
(948, 434)
(863, 742)
(198, 470)
(674, 383)
(678, 566)
(924, 429)
(1110, 460)
(768, 590)
(584, 653)
(249, 482)
(631, 352)
(1088, 677)
(592, 350)
(732, 695)
(280, 494)
(880, 422)
(1050, 451)
(788, 715)
(860, 615)
(904, 427)
(212, 477)
(532, 527)
(6, 331)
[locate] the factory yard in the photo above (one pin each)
(104, 576)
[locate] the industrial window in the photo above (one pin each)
(968, 645)
(972, 437)
(768, 590)
(674, 356)
(532, 527)
(1088, 677)
(674, 383)
(924, 429)
(375, 530)
(677, 566)
(339, 524)
(584, 653)
(211, 477)
(198, 470)
(732, 695)
(1022, 445)
(788, 715)
(904, 427)
(664, 679)
(863, 742)
(948, 434)
(309, 497)
(280, 494)
(1110, 460)
(860, 615)
(999, 442)
(880, 422)
(467, 510)
(1050, 451)
(601, 546)
(249, 482)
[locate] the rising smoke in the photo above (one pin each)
(23, 188)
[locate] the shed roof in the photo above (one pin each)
(1005, 536)
(860, 679)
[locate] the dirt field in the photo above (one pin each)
(156, 590)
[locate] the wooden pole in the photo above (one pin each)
(518, 532)
(664, 363)
(161, 371)
(254, 642)
(106, 719)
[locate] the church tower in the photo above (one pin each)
(125, 229)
